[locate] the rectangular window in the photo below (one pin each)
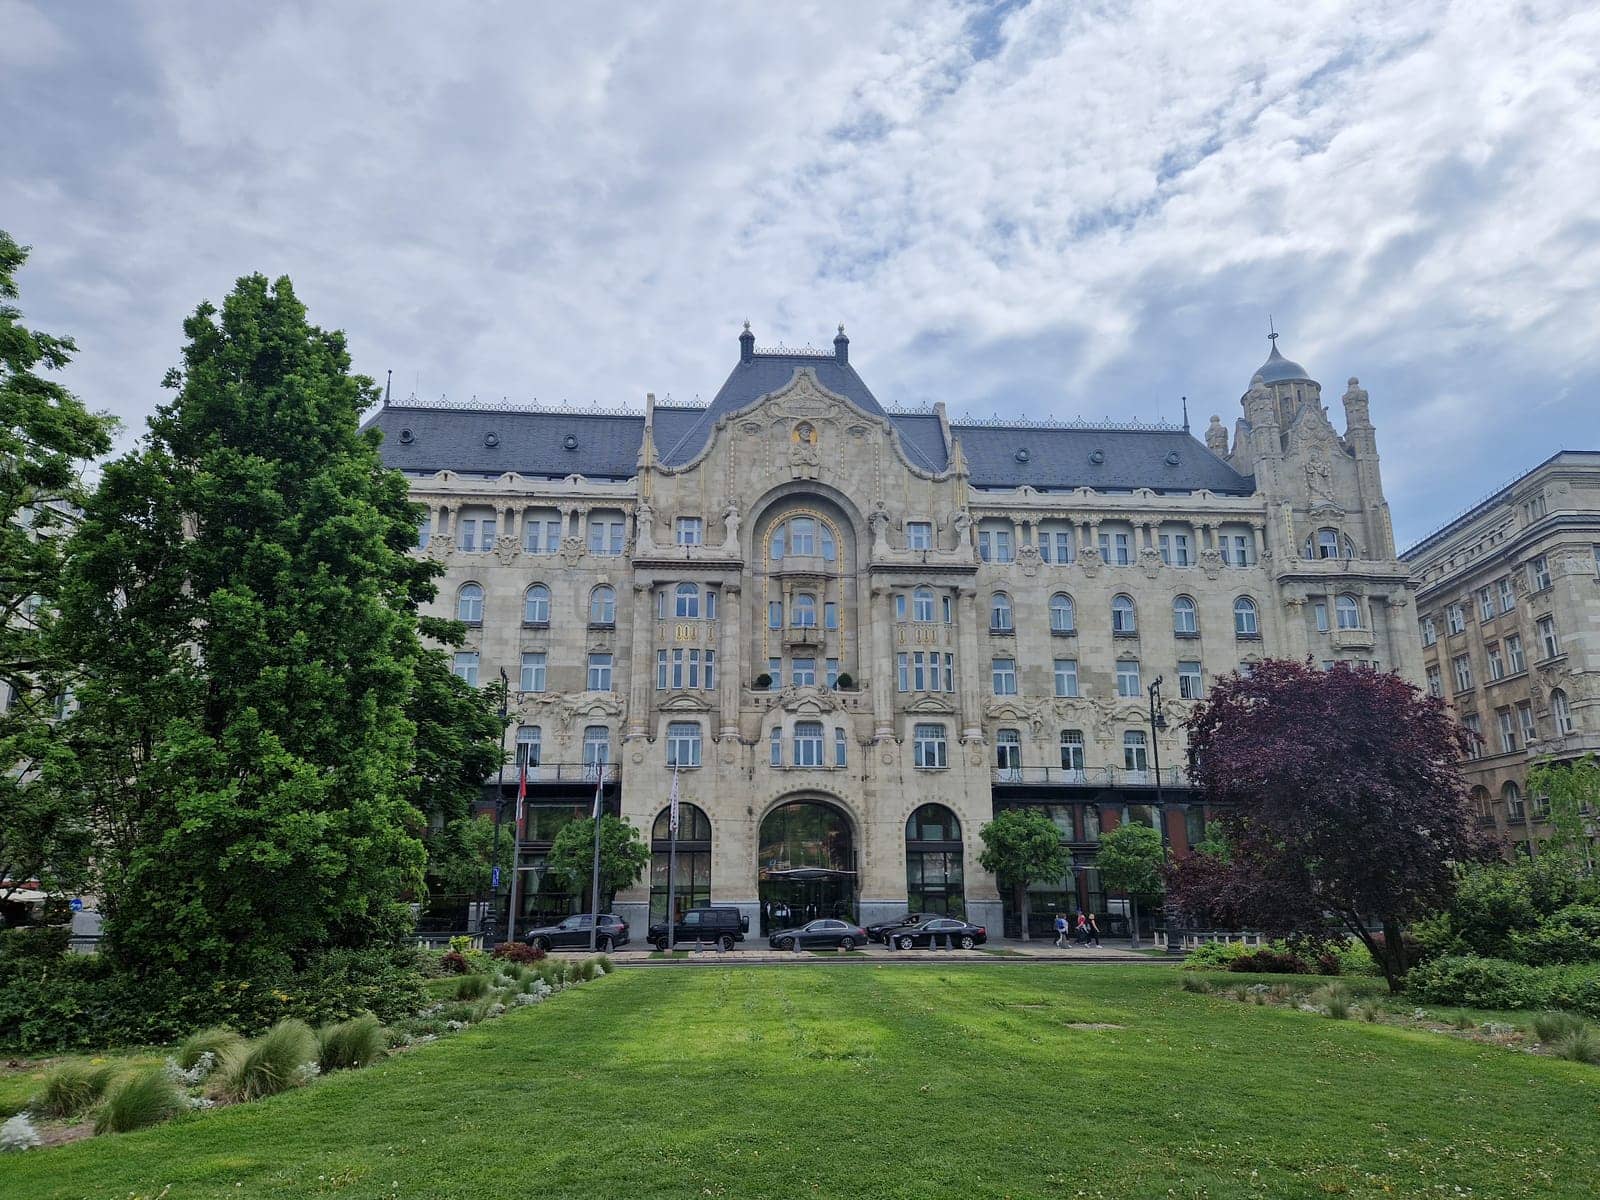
(661, 670)
(830, 615)
(1485, 604)
(903, 670)
(606, 535)
(533, 671)
(692, 682)
(1435, 682)
(805, 672)
(711, 671)
(1175, 549)
(1463, 669)
(1189, 681)
(1497, 666)
(1320, 611)
(830, 672)
(1055, 546)
(683, 744)
(1508, 731)
(775, 614)
(994, 545)
(599, 672)
(949, 672)
(1535, 507)
(1539, 573)
(424, 532)
(677, 669)
(919, 535)
(466, 667)
(1473, 724)
(1548, 642)
(775, 747)
(1430, 634)
(928, 746)
(1514, 655)
(1116, 549)
(1128, 678)
(1072, 751)
(840, 747)
(775, 669)
(807, 744)
(1004, 674)
(687, 531)
(1235, 549)
(467, 539)
(541, 536)
(711, 605)
(1455, 618)
(919, 679)
(1530, 731)
(1508, 595)
(899, 606)
(1066, 677)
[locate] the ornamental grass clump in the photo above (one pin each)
(1196, 983)
(350, 1044)
(271, 1063)
(1553, 1026)
(1334, 999)
(139, 1099)
(1581, 1045)
(605, 965)
(70, 1089)
(586, 970)
(471, 987)
(216, 1041)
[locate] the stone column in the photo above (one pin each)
(730, 664)
(883, 677)
(643, 680)
(1259, 529)
(968, 665)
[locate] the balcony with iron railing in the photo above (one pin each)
(563, 773)
(1087, 777)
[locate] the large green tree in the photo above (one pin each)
(623, 857)
(242, 600)
(1129, 860)
(1022, 846)
(45, 435)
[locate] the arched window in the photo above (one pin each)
(1184, 620)
(1133, 755)
(805, 611)
(536, 605)
(469, 604)
(1244, 618)
(528, 747)
(1123, 619)
(1561, 711)
(1327, 543)
(686, 600)
(804, 536)
(922, 604)
(603, 605)
(1008, 753)
(934, 862)
(1347, 611)
(1000, 612)
(1512, 795)
(692, 884)
(1061, 614)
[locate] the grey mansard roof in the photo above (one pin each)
(422, 439)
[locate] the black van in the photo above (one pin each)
(721, 927)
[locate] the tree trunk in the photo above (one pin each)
(1022, 907)
(1133, 923)
(1394, 956)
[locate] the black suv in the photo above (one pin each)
(573, 933)
(722, 926)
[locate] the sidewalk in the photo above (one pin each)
(755, 951)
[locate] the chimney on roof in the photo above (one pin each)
(747, 345)
(841, 346)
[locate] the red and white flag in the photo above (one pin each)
(522, 793)
(672, 820)
(599, 782)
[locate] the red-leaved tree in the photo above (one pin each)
(1342, 805)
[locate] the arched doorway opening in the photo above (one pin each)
(934, 874)
(693, 884)
(806, 865)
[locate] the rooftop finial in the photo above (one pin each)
(1186, 414)
(841, 345)
(747, 344)
(747, 324)
(388, 386)
(1272, 332)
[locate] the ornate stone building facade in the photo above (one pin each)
(1509, 606)
(859, 632)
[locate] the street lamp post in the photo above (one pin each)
(1158, 725)
(490, 925)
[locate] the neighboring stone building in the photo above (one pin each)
(860, 632)
(1509, 604)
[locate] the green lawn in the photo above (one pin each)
(948, 1080)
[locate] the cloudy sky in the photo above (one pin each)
(1032, 209)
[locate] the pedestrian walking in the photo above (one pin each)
(1061, 930)
(1094, 929)
(1083, 930)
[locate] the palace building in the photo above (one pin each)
(1509, 609)
(858, 632)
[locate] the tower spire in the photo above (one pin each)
(1186, 414)
(1272, 332)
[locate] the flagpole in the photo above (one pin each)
(594, 909)
(516, 842)
(672, 864)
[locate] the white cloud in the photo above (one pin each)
(1068, 210)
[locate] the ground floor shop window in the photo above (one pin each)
(806, 865)
(693, 883)
(934, 871)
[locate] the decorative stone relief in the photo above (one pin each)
(572, 549)
(506, 550)
(1028, 559)
(805, 455)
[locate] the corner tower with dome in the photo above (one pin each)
(856, 632)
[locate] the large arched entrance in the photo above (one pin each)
(934, 875)
(806, 865)
(693, 883)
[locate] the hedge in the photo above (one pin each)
(1475, 982)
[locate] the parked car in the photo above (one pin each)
(572, 933)
(880, 932)
(722, 927)
(825, 933)
(958, 932)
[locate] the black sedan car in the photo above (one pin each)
(883, 929)
(572, 933)
(941, 932)
(824, 934)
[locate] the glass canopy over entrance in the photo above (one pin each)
(806, 864)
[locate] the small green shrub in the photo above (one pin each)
(216, 1041)
(1270, 962)
(605, 964)
(586, 970)
(1369, 1012)
(1568, 935)
(1476, 983)
(471, 987)
(1581, 1045)
(1210, 956)
(271, 1063)
(71, 1088)
(1553, 1026)
(350, 1044)
(137, 1099)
